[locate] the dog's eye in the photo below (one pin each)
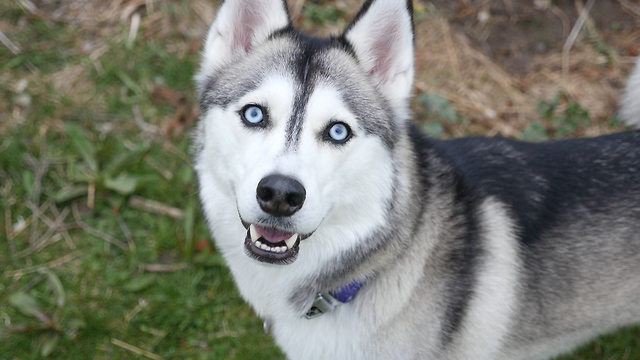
(253, 115)
(338, 133)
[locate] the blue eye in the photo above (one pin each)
(252, 115)
(338, 133)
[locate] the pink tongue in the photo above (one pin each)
(272, 235)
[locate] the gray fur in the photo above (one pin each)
(235, 79)
(487, 248)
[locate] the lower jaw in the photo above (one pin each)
(285, 257)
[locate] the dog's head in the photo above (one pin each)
(297, 134)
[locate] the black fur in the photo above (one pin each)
(542, 181)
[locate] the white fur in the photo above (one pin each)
(371, 326)
(234, 159)
(353, 331)
(492, 309)
(630, 102)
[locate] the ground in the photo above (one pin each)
(106, 253)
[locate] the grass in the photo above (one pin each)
(95, 275)
(104, 252)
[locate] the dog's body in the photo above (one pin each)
(312, 179)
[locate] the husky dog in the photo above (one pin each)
(357, 237)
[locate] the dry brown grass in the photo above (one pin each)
(500, 103)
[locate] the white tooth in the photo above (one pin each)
(258, 244)
(291, 241)
(254, 234)
(283, 248)
(264, 247)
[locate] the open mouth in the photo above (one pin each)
(272, 245)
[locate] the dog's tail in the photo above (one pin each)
(630, 103)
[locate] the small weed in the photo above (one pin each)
(438, 106)
(535, 132)
(609, 55)
(422, 12)
(615, 26)
(319, 15)
(566, 117)
(94, 175)
(438, 112)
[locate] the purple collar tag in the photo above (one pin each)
(347, 292)
(326, 302)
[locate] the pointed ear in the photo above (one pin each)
(382, 37)
(240, 25)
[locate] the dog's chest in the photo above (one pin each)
(337, 335)
(346, 333)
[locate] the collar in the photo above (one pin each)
(326, 301)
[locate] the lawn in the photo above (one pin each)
(104, 252)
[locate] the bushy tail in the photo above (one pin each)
(630, 103)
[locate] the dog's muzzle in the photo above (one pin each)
(280, 197)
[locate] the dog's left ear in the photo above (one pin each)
(382, 36)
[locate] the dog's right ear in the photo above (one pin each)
(239, 26)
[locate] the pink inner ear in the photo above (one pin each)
(384, 51)
(246, 24)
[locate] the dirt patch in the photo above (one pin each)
(495, 60)
(513, 32)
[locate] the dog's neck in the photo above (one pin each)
(327, 301)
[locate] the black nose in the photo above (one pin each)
(280, 195)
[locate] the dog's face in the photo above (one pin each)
(297, 134)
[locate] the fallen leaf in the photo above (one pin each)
(56, 287)
(140, 283)
(28, 306)
(83, 145)
(164, 95)
(123, 184)
(183, 119)
(633, 50)
(204, 245)
(49, 343)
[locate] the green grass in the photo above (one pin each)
(73, 294)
